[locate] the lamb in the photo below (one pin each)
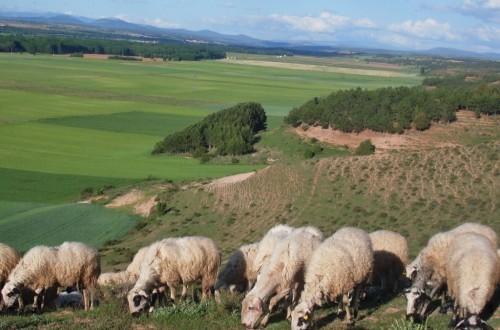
(70, 264)
(341, 264)
(390, 253)
(472, 274)
(171, 262)
(432, 265)
(238, 271)
(281, 275)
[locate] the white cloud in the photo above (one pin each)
(158, 22)
(428, 29)
(326, 22)
(485, 10)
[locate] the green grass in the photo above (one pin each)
(28, 225)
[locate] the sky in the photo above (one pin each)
(472, 25)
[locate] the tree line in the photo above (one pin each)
(166, 50)
(396, 109)
(226, 132)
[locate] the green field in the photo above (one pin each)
(71, 123)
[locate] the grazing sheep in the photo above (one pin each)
(267, 244)
(390, 255)
(238, 271)
(341, 264)
(472, 275)
(70, 264)
(432, 265)
(171, 262)
(281, 275)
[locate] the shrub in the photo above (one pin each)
(365, 148)
(308, 153)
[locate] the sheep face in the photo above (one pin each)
(138, 302)
(10, 294)
(302, 317)
(251, 311)
(415, 298)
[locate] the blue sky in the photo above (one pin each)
(394, 24)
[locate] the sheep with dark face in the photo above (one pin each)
(173, 262)
(341, 264)
(69, 264)
(431, 266)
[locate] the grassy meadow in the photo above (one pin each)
(69, 125)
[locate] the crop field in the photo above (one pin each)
(70, 124)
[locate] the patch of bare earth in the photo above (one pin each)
(136, 198)
(437, 136)
(229, 180)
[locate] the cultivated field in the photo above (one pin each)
(72, 124)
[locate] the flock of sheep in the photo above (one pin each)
(297, 265)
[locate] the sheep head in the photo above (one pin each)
(302, 317)
(10, 293)
(138, 302)
(251, 311)
(415, 297)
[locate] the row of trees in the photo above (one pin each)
(227, 132)
(396, 109)
(171, 50)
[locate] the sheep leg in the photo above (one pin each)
(85, 299)
(356, 297)
(347, 307)
(427, 302)
(38, 300)
(184, 292)
(173, 292)
(272, 303)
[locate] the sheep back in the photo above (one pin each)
(390, 252)
(238, 270)
(477, 228)
(267, 244)
(77, 264)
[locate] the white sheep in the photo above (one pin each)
(432, 265)
(171, 262)
(70, 264)
(9, 258)
(390, 255)
(267, 244)
(281, 275)
(472, 275)
(341, 264)
(238, 270)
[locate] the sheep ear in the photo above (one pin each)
(142, 293)
(258, 305)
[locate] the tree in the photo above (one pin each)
(365, 148)
(421, 120)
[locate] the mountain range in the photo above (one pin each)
(119, 27)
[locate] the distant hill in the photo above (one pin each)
(119, 26)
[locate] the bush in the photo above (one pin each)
(365, 148)
(308, 154)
